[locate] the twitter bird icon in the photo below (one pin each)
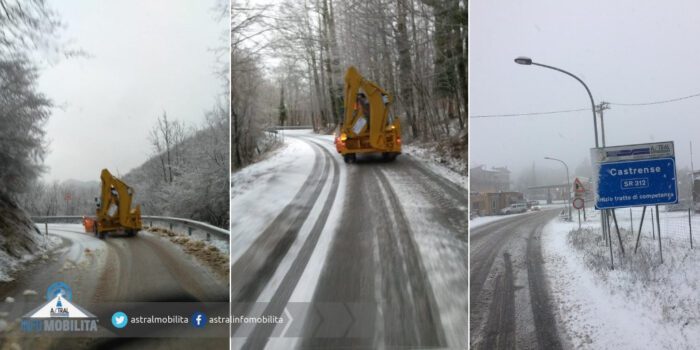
(119, 319)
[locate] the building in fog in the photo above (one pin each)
(482, 180)
(491, 203)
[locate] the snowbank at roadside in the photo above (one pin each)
(260, 191)
(20, 240)
(452, 169)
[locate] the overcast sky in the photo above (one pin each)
(146, 57)
(625, 51)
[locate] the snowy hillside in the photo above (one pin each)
(20, 241)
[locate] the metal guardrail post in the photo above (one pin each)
(189, 231)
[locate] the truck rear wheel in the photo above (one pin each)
(101, 235)
(349, 158)
(389, 156)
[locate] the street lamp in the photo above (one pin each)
(568, 184)
(527, 61)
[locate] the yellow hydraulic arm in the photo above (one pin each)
(114, 212)
(381, 134)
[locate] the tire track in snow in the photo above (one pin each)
(449, 202)
(261, 333)
(520, 235)
(485, 245)
(545, 323)
(393, 279)
(410, 317)
(500, 329)
(251, 271)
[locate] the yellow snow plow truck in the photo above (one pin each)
(114, 212)
(367, 126)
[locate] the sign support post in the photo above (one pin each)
(617, 230)
(640, 229)
(612, 265)
(579, 219)
(658, 228)
(690, 229)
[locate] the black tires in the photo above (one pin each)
(389, 156)
(349, 158)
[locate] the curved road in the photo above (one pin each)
(510, 305)
(145, 268)
(394, 271)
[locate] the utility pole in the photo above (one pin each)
(692, 178)
(600, 108)
(605, 215)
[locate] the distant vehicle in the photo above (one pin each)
(532, 204)
(535, 208)
(515, 208)
(114, 212)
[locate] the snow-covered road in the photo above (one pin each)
(387, 237)
(510, 306)
(118, 269)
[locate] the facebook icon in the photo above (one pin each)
(199, 320)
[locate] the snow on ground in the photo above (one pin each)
(642, 304)
(306, 286)
(9, 265)
(440, 165)
(444, 257)
(260, 191)
(483, 220)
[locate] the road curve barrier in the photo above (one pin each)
(196, 229)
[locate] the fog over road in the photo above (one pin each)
(371, 254)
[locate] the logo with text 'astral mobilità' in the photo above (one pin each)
(59, 314)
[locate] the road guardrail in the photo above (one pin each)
(191, 227)
(291, 127)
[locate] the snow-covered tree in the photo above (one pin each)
(26, 27)
(23, 112)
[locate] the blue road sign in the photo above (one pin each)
(637, 183)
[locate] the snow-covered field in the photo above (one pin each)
(642, 304)
(259, 192)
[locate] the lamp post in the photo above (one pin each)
(568, 184)
(528, 61)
